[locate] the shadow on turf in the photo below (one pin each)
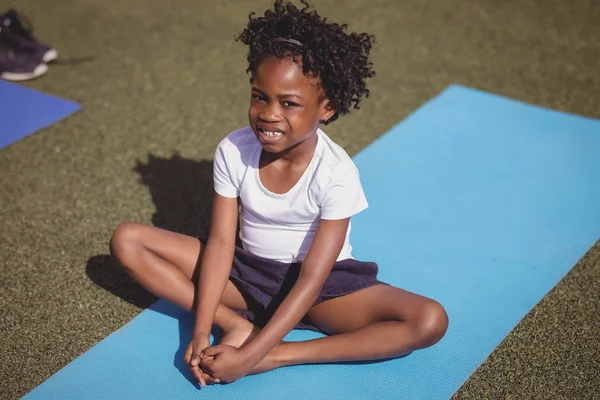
(182, 191)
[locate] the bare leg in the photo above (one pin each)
(165, 263)
(384, 322)
(377, 323)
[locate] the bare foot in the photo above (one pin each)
(238, 331)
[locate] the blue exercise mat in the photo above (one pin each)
(478, 201)
(24, 111)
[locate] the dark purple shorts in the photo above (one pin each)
(264, 283)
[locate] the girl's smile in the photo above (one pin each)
(269, 135)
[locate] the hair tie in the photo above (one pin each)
(291, 41)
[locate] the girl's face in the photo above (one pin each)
(286, 105)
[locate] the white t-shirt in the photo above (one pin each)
(281, 226)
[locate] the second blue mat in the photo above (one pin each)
(478, 201)
(24, 111)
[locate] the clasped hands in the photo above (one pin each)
(216, 364)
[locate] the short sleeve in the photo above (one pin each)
(344, 196)
(223, 181)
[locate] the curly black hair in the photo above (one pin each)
(339, 59)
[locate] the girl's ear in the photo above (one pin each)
(327, 111)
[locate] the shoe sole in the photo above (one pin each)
(24, 76)
(50, 56)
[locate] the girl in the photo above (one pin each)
(293, 191)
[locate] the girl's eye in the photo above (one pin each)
(291, 104)
(257, 97)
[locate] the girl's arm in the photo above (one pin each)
(318, 263)
(215, 266)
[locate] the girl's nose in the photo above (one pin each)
(270, 112)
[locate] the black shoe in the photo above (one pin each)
(13, 21)
(18, 63)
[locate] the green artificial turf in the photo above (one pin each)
(162, 82)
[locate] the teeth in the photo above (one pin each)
(270, 133)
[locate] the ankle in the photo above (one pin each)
(221, 315)
(274, 359)
(279, 356)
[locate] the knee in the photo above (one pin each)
(124, 241)
(431, 325)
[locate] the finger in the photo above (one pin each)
(209, 379)
(206, 366)
(206, 376)
(205, 358)
(196, 372)
(195, 357)
(187, 357)
(212, 351)
(198, 375)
